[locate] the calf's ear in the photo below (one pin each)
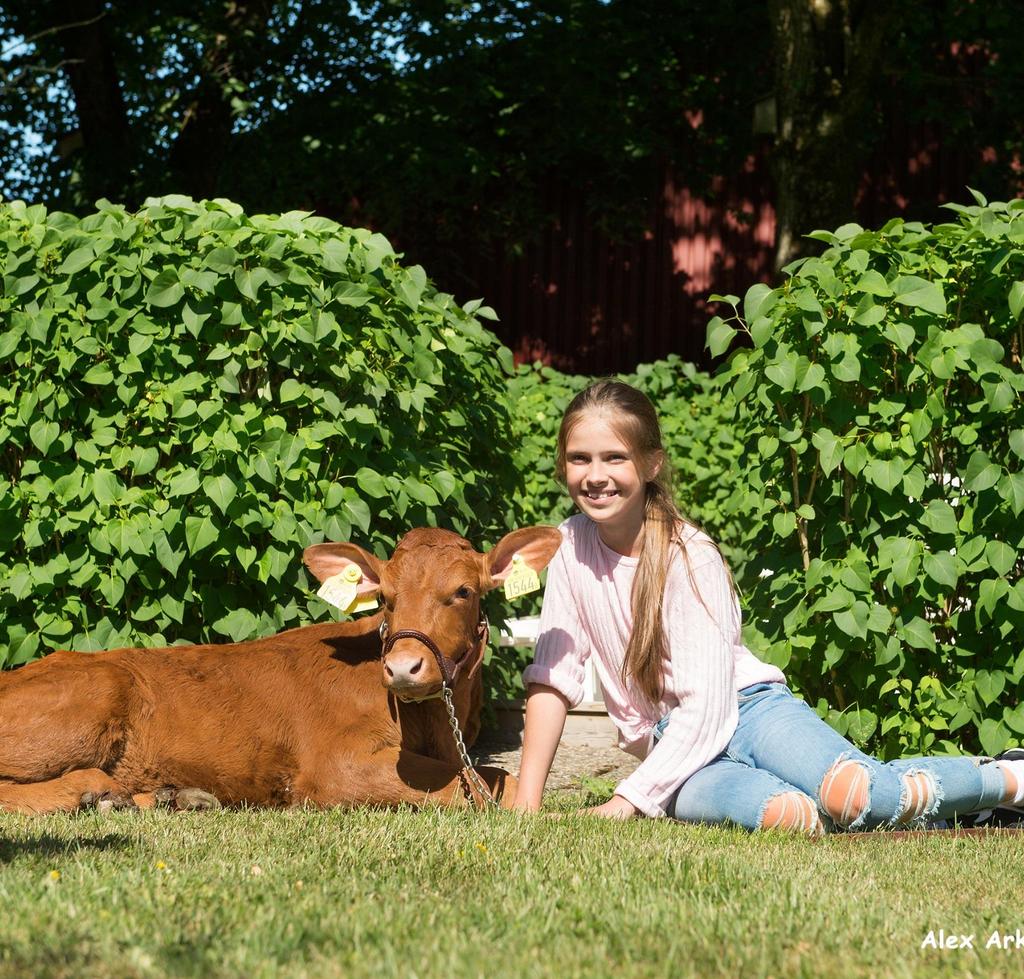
(535, 545)
(327, 560)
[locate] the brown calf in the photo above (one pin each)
(312, 715)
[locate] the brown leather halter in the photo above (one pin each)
(449, 668)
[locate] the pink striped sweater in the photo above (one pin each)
(587, 612)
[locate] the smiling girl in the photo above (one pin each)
(646, 594)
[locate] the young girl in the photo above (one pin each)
(722, 737)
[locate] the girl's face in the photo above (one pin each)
(605, 477)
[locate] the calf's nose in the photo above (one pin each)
(404, 670)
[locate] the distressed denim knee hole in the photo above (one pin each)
(1012, 786)
(845, 792)
(791, 810)
(920, 796)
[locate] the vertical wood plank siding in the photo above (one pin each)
(581, 301)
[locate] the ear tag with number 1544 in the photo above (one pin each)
(521, 580)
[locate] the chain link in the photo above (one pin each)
(467, 763)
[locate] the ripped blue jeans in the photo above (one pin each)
(782, 746)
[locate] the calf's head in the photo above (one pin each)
(432, 584)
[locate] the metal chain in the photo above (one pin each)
(467, 763)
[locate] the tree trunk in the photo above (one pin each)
(107, 156)
(204, 137)
(828, 56)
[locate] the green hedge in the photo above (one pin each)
(883, 473)
(189, 396)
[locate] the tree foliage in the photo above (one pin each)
(446, 122)
(850, 74)
(441, 119)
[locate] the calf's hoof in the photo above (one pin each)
(192, 800)
(502, 785)
(506, 788)
(196, 800)
(106, 802)
(164, 798)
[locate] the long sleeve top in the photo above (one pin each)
(586, 612)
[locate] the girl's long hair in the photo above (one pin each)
(633, 417)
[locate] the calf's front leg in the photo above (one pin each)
(75, 790)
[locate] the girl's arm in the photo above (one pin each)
(546, 709)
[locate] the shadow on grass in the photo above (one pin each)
(47, 844)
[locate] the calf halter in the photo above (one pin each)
(449, 668)
(449, 675)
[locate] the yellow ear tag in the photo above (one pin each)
(340, 591)
(363, 604)
(521, 580)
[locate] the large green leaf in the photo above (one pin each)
(939, 517)
(758, 301)
(43, 434)
(200, 533)
(238, 624)
(912, 290)
(941, 568)
(830, 449)
(1001, 557)
(1016, 299)
(165, 289)
(105, 487)
(77, 260)
(993, 736)
(719, 337)
(918, 634)
(371, 483)
(221, 490)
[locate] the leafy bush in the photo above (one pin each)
(190, 396)
(884, 433)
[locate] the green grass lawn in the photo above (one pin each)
(435, 893)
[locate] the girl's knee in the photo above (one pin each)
(792, 810)
(1012, 785)
(920, 796)
(845, 792)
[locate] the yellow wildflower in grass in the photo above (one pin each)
(54, 875)
(160, 865)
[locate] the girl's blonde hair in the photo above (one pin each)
(635, 421)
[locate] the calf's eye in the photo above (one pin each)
(463, 592)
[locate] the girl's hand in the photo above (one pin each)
(615, 808)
